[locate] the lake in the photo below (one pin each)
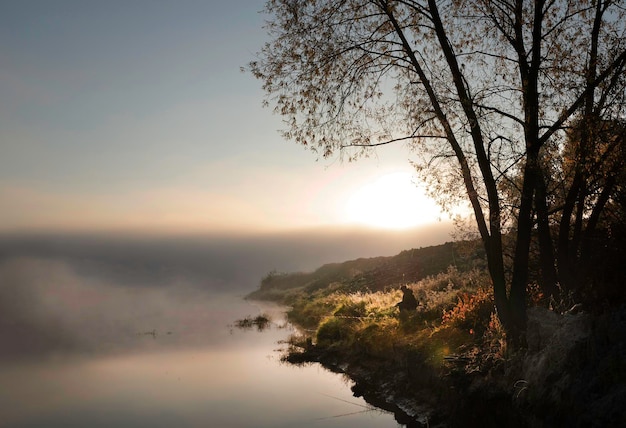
(93, 341)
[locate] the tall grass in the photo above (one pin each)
(455, 309)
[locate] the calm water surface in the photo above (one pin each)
(80, 350)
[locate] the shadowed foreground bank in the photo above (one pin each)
(448, 363)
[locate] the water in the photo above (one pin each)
(236, 381)
(91, 343)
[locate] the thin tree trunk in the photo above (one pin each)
(521, 256)
(493, 245)
(529, 74)
(491, 236)
(546, 252)
(566, 277)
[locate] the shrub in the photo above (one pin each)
(472, 311)
(261, 322)
(331, 331)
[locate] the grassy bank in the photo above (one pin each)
(447, 362)
(417, 357)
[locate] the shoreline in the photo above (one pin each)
(433, 400)
(535, 387)
(448, 363)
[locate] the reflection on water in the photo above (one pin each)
(222, 388)
(81, 352)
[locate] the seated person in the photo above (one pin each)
(408, 303)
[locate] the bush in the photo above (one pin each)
(331, 331)
(472, 312)
(261, 322)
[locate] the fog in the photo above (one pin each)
(48, 308)
(223, 261)
(74, 295)
(137, 331)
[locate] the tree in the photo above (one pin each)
(478, 91)
(590, 183)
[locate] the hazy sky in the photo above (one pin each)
(135, 115)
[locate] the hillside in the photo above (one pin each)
(372, 274)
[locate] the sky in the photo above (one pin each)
(134, 115)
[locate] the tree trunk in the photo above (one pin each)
(548, 279)
(522, 249)
(492, 240)
(563, 257)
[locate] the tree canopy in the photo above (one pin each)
(492, 98)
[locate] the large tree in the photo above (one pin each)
(479, 91)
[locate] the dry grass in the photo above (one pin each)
(455, 310)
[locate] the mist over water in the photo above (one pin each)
(48, 307)
(225, 261)
(98, 328)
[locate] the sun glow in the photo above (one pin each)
(392, 201)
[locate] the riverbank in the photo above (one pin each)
(447, 363)
(427, 373)
(571, 374)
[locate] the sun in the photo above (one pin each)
(393, 201)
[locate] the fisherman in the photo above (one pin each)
(408, 303)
